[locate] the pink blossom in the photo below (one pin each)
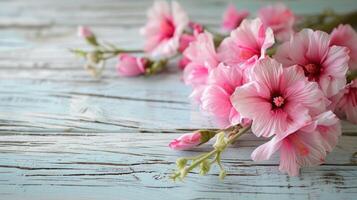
(84, 32)
(203, 58)
(278, 98)
(327, 65)
(345, 102)
(303, 147)
(279, 18)
(249, 41)
(346, 36)
(130, 66)
(232, 18)
(215, 99)
(164, 28)
(186, 141)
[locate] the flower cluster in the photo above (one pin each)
(293, 95)
(272, 74)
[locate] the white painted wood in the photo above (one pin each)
(66, 135)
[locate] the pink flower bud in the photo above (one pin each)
(184, 41)
(84, 32)
(183, 62)
(186, 141)
(196, 27)
(130, 66)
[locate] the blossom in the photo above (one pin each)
(250, 40)
(130, 66)
(278, 98)
(346, 36)
(215, 99)
(232, 18)
(84, 32)
(203, 57)
(345, 102)
(327, 65)
(303, 147)
(164, 28)
(186, 141)
(279, 18)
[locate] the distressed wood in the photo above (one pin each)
(66, 135)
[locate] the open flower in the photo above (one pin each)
(304, 147)
(232, 18)
(203, 58)
(327, 65)
(249, 41)
(278, 98)
(215, 99)
(279, 18)
(164, 28)
(345, 102)
(346, 36)
(186, 141)
(130, 66)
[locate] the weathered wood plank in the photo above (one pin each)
(102, 166)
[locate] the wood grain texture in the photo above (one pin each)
(66, 135)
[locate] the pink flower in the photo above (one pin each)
(249, 41)
(278, 98)
(345, 102)
(279, 18)
(186, 141)
(307, 146)
(346, 36)
(130, 66)
(84, 32)
(232, 18)
(203, 58)
(164, 28)
(215, 99)
(321, 63)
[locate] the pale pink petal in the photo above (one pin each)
(232, 18)
(250, 39)
(288, 159)
(216, 101)
(346, 36)
(268, 72)
(265, 151)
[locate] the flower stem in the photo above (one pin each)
(220, 146)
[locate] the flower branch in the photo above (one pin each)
(204, 161)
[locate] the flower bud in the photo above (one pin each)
(205, 166)
(86, 33)
(181, 163)
(221, 142)
(186, 141)
(131, 66)
(183, 62)
(184, 41)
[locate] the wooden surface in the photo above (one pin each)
(65, 135)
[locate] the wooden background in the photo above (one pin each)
(66, 135)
